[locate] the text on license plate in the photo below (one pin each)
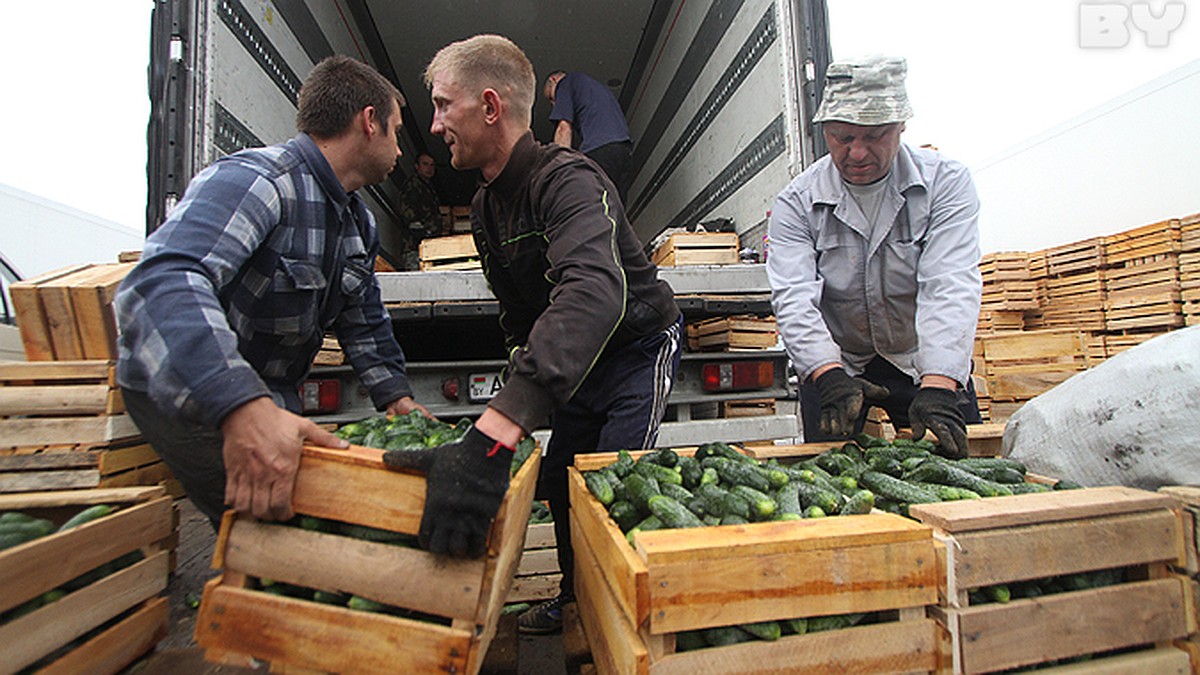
(483, 386)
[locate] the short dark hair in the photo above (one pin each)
(336, 90)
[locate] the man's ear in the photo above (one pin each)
(367, 118)
(493, 106)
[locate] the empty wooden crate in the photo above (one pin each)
(68, 314)
(697, 248)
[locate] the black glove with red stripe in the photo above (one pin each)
(465, 483)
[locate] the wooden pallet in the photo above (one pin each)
(119, 616)
(1005, 540)
(1141, 243)
(293, 633)
(1010, 295)
(999, 321)
(67, 314)
(1189, 233)
(697, 248)
(634, 600)
(1020, 366)
(538, 575)
(1079, 256)
(732, 333)
(456, 252)
(1005, 266)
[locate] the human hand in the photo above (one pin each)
(262, 454)
(405, 405)
(936, 409)
(464, 485)
(842, 398)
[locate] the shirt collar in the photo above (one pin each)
(321, 171)
(520, 160)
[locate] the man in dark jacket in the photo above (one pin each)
(593, 335)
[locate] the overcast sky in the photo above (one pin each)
(983, 76)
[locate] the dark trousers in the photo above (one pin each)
(901, 389)
(618, 407)
(614, 159)
(193, 452)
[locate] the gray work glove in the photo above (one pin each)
(465, 483)
(842, 398)
(936, 409)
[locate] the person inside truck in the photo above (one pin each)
(593, 334)
(585, 108)
(873, 267)
(268, 249)
(419, 214)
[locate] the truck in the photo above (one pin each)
(718, 95)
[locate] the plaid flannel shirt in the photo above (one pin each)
(235, 291)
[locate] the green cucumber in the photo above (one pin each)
(895, 489)
(690, 471)
(939, 471)
(762, 507)
(1027, 488)
(829, 501)
(676, 492)
(725, 636)
(86, 516)
(835, 622)
(814, 511)
(738, 473)
(673, 514)
(16, 533)
(859, 503)
(788, 499)
(623, 465)
(763, 630)
(665, 457)
(658, 472)
(947, 493)
(640, 489)
(732, 519)
(718, 502)
(625, 515)
(599, 486)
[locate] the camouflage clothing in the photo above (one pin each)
(419, 214)
(867, 91)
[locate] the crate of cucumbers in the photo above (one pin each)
(343, 587)
(707, 560)
(81, 574)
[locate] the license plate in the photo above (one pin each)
(483, 386)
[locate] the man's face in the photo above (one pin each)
(385, 148)
(425, 167)
(458, 117)
(862, 154)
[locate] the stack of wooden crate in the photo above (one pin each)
(1064, 541)
(538, 576)
(1141, 281)
(697, 248)
(1073, 287)
(741, 333)
(444, 612)
(634, 600)
(1009, 290)
(100, 606)
(1189, 268)
(456, 252)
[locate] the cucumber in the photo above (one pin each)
(625, 515)
(375, 534)
(762, 507)
(834, 622)
(776, 478)
(997, 474)
(676, 492)
(895, 489)
(845, 484)
(814, 511)
(830, 501)
(796, 626)
(732, 519)
(599, 486)
(898, 453)
(623, 465)
(696, 506)
(938, 471)
(658, 472)
(969, 462)
(889, 465)
(738, 473)
(998, 593)
(718, 502)
(858, 503)
(14, 517)
(763, 630)
(837, 464)
(330, 598)
(867, 441)
(362, 604)
(710, 477)
(690, 471)
(689, 641)
(640, 489)
(852, 450)
(650, 524)
(947, 493)
(86, 516)
(663, 457)
(1028, 488)
(15, 533)
(723, 450)
(673, 514)
(725, 635)
(1067, 485)
(788, 499)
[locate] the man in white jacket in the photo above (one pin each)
(873, 265)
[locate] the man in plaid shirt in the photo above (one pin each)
(268, 249)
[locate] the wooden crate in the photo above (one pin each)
(1079, 256)
(1010, 295)
(67, 314)
(1144, 295)
(330, 354)
(1000, 321)
(1189, 233)
(1074, 301)
(538, 575)
(292, 633)
(61, 403)
(633, 600)
(1020, 366)
(1037, 536)
(1141, 243)
(751, 407)
(75, 467)
(732, 333)
(697, 248)
(119, 616)
(456, 252)
(1005, 266)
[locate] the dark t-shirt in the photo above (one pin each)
(592, 109)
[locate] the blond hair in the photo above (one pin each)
(489, 61)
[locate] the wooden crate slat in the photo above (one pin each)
(385, 499)
(1064, 625)
(151, 474)
(118, 646)
(39, 633)
(324, 637)
(969, 515)
(19, 372)
(32, 319)
(687, 248)
(36, 481)
(116, 460)
(1034, 345)
(66, 430)
(91, 303)
(615, 643)
(77, 399)
(44, 461)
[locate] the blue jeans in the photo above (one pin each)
(618, 407)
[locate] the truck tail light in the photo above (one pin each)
(320, 396)
(738, 376)
(450, 388)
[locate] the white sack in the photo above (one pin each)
(1133, 420)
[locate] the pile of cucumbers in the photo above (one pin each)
(414, 431)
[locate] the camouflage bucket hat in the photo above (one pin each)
(867, 91)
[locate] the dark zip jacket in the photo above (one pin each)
(573, 281)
